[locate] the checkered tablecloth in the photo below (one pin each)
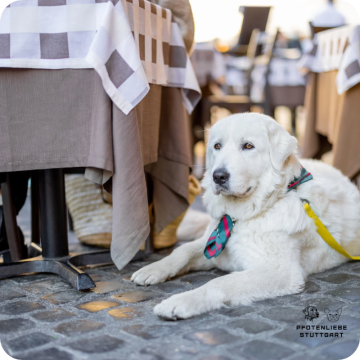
(130, 43)
(336, 49)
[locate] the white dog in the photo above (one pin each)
(273, 245)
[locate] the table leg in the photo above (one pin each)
(53, 214)
(12, 230)
(35, 213)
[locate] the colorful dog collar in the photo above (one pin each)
(219, 237)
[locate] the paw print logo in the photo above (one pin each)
(311, 313)
(333, 315)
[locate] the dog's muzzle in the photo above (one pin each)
(221, 176)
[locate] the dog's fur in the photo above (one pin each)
(274, 245)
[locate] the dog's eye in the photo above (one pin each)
(248, 146)
(217, 146)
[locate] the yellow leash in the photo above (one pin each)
(324, 233)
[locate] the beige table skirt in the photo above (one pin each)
(64, 118)
(335, 117)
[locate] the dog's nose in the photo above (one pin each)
(221, 176)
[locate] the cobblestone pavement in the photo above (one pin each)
(43, 318)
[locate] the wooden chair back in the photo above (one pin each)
(316, 29)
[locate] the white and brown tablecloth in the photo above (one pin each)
(64, 118)
(332, 98)
(130, 43)
(336, 49)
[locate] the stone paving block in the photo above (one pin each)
(339, 278)
(32, 277)
(104, 287)
(262, 350)
(102, 277)
(17, 324)
(152, 331)
(279, 301)
(136, 296)
(96, 306)
(53, 315)
(218, 357)
(171, 352)
(250, 326)
(355, 308)
(26, 342)
(46, 286)
(9, 294)
(311, 287)
(97, 345)
(322, 303)
(236, 311)
(220, 272)
(154, 302)
(352, 294)
(125, 313)
(63, 297)
(197, 280)
(48, 354)
(20, 307)
(293, 335)
(170, 287)
(284, 314)
(356, 269)
(78, 327)
(7, 284)
(341, 350)
(212, 337)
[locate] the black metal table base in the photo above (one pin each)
(54, 239)
(66, 267)
(62, 267)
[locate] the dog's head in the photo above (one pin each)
(311, 313)
(244, 150)
(333, 315)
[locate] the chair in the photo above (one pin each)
(255, 17)
(243, 103)
(316, 29)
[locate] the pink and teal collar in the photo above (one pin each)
(304, 177)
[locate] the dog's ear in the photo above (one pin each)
(305, 311)
(282, 144)
(339, 311)
(326, 311)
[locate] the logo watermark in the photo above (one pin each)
(312, 313)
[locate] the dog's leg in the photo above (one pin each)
(233, 289)
(183, 259)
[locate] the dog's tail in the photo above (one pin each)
(193, 225)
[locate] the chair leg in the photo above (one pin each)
(70, 221)
(293, 121)
(149, 243)
(35, 208)
(12, 230)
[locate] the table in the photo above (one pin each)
(53, 119)
(332, 99)
(107, 121)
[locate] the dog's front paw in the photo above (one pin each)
(151, 274)
(182, 306)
